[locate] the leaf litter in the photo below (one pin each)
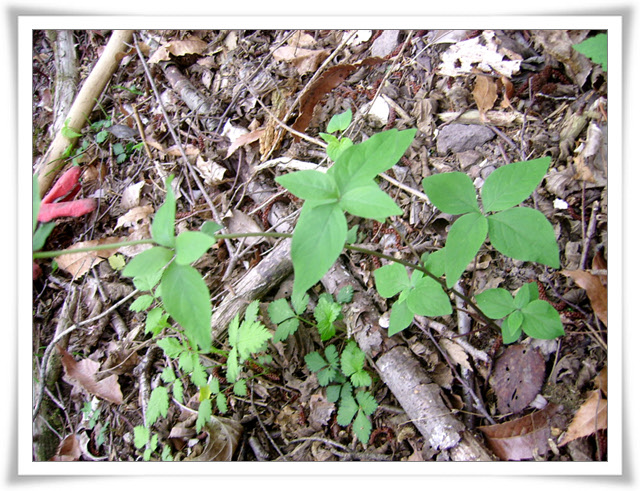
(474, 78)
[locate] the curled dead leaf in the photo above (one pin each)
(596, 292)
(591, 417)
(485, 93)
(223, 435)
(305, 60)
(523, 438)
(78, 264)
(82, 374)
(68, 450)
(191, 45)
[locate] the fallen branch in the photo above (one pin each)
(93, 86)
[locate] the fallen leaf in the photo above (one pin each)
(523, 438)
(329, 80)
(133, 216)
(302, 39)
(82, 374)
(243, 140)
(596, 292)
(68, 450)
(240, 222)
(191, 45)
(517, 378)
(485, 93)
(456, 353)
(305, 60)
(131, 196)
(223, 436)
(591, 416)
(211, 172)
(79, 263)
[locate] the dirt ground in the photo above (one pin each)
(238, 102)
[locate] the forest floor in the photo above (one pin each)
(223, 94)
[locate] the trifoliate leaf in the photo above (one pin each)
(158, 404)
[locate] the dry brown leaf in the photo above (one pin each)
(189, 150)
(68, 450)
(485, 93)
(79, 263)
(131, 196)
(82, 374)
(223, 436)
(596, 292)
(133, 216)
(240, 222)
(456, 353)
(191, 45)
(244, 140)
(591, 416)
(329, 80)
(305, 60)
(211, 172)
(302, 39)
(601, 380)
(523, 438)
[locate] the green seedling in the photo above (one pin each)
(335, 145)
(522, 313)
(594, 48)
(345, 377)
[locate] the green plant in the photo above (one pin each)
(594, 48)
(335, 146)
(347, 186)
(523, 312)
(345, 379)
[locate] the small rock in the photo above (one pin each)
(468, 158)
(462, 137)
(385, 43)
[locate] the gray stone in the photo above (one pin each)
(461, 137)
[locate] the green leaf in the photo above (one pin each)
(337, 148)
(158, 404)
(326, 370)
(156, 321)
(41, 234)
(594, 48)
(35, 204)
(511, 327)
(279, 311)
(345, 295)
(251, 338)
(541, 321)
(300, 303)
(427, 297)
(333, 393)
(178, 391)
(310, 184)
(148, 282)
(522, 298)
(171, 347)
(221, 403)
(352, 359)
(326, 313)
(367, 402)
(233, 367)
(391, 279)
(511, 184)
(524, 234)
(69, 132)
(143, 302)
(369, 201)
(240, 388)
(332, 356)
(315, 361)
(362, 427)
(148, 262)
(362, 162)
(168, 375)
(210, 228)
(286, 329)
(452, 192)
(400, 318)
(186, 298)
(204, 414)
(198, 374)
(434, 262)
(495, 303)
(360, 379)
(466, 235)
(340, 122)
(318, 240)
(163, 225)
(190, 246)
(140, 436)
(117, 262)
(348, 409)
